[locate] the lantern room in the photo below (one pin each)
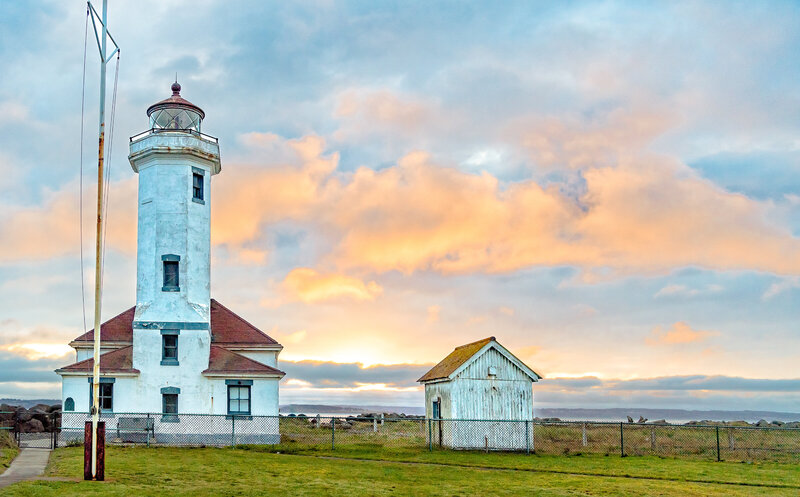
(175, 113)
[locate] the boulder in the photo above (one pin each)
(22, 415)
(31, 426)
(642, 419)
(6, 413)
(792, 424)
(630, 419)
(762, 422)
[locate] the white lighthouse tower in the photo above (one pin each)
(177, 351)
(175, 163)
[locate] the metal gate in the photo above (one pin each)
(42, 440)
(47, 439)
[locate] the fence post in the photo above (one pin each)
(233, 430)
(718, 458)
(374, 425)
(430, 435)
(583, 439)
(653, 438)
(146, 429)
(621, 441)
(527, 438)
(333, 433)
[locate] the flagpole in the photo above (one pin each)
(98, 263)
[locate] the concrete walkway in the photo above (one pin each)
(28, 464)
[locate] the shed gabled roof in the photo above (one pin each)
(116, 361)
(223, 361)
(463, 354)
(227, 329)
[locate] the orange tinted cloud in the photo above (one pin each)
(645, 215)
(678, 333)
(309, 286)
(51, 229)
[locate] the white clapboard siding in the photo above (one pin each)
(500, 403)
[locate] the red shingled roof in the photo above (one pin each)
(116, 361)
(227, 329)
(223, 361)
(117, 329)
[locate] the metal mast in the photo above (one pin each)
(98, 266)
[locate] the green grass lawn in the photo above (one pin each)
(8, 449)
(140, 471)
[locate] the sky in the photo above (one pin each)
(612, 189)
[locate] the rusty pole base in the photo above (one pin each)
(101, 451)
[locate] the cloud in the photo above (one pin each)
(50, 229)
(433, 313)
(678, 333)
(644, 215)
(323, 374)
(674, 290)
(311, 286)
(21, 368)
(780, 286)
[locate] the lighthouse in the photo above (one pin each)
(177, 351)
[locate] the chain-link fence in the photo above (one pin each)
(715, 442)
(31, 428)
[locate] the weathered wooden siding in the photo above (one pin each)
(492, 399)
(441, 391)
(506, 370)
(474, 395)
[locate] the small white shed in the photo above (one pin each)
(480, 396)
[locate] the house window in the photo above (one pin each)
(69, 404)
(171, 277)
(169, 347)
(197, 188)
(106, 394)
(492, 372)
(169, 404)
(239, 399)
(437, 409)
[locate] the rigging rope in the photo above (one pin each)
(80, 220)
(108, 164)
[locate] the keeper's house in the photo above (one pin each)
(480, 381)
(177, 351)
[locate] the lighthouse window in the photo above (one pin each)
(197, 187)
(171, 279)
(169, 347)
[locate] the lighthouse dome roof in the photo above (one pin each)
(175, 112)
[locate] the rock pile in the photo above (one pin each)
(37, 419)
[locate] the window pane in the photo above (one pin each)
(170, 273)
(244, 406)
(170, 348)
(106, 396)
(197, 185)
(244, 393)
(170, 403)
